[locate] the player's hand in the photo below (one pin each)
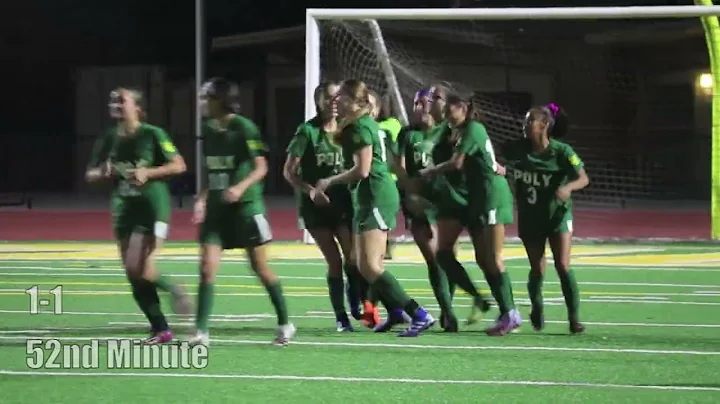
(319, 198)
(563, 194)
(138, 176)
(199, 212)
(500, 170)
(322, 185)
(233, 194)
(106, 169)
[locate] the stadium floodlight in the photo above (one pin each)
(590, 58)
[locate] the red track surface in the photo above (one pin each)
(95, 224)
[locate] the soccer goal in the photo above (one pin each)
(640, 85)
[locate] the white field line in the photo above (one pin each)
(311, 314)
(619, 299)
(366, 345)
(119, 272)
(373, 380)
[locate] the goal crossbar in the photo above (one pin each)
(553, 13)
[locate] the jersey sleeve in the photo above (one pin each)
(100, 151)
(361, 137)
(298, 144)
(255, 145)
(571, 161)
(167, 147)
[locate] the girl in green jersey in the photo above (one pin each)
(311, 155)
(138, 157)
(375, 199)
(546, 173)
(489, 202)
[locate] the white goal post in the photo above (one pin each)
(385, 68)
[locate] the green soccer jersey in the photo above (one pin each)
(452, 184)
(538, 176)
(389, 131)
(480, 165)
(417, 147)
(378, 189)
(149, 146)
(229, 155)
(319, 157)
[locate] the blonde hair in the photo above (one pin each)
(360, 95)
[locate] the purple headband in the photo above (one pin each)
(553, 108)
(422, 93)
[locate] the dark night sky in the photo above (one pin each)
(42, 41)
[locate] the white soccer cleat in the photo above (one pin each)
(284, 334)
(200, 338)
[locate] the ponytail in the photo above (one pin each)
(559, 121)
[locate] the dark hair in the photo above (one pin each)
(557, 120)
(322, 91)
(455, 98)
(227, 92)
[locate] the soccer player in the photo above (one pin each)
(546, 172)
(138, 157)
(231, 210)
(415, 145)
(312, 155)
(488, 207)
(450, 196)
(391, 126)
(375, 198)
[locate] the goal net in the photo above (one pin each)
(636, 92)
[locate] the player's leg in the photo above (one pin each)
(534, 244)
(210, 254)
(449, 230)
(561, 245)
(357, 288)
(255, 234)
(371, 228)
(137, 255)
(493, 240)
(325, 240)
(425, 234)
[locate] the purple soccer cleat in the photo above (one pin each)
(421, 322)
(159, 337)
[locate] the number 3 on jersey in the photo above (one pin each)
(531, 195)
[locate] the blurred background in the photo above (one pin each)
(638, 93)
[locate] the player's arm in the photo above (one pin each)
(399, 160)
(174, 162)
(257, 150)
(99, 167)
(295, 151)
(468, 145)
(576, 167)
(362, 159)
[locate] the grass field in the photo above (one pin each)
(652, 317)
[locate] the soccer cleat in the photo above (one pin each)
(449, 323)
(343, 326)
(537, 319)
(370, 317)
(422, 321)
(504, 325)
(284, 334)
(576, 327)
(159, 337)
(181, 303)
(516, 319)
(480, 307)
(394, 318)
(200, 338)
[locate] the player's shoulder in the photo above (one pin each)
(242, 121)
(309, 126)
(561, 147)
(150, 128)
(475, 126)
